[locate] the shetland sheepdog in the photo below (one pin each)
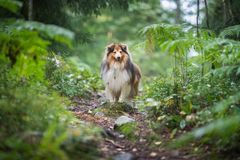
(120, 75)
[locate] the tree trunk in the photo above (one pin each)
(197, 19)
(30, 10)
(206, 11)
(178, 12)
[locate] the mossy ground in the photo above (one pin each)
(114, 109)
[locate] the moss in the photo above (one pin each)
(114, 109)
(130, 130)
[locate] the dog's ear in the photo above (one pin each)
(110, 48)
(124, 47)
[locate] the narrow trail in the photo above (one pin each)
(115, 144)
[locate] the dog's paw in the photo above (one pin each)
(121, 100)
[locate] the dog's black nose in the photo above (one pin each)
(118, 58)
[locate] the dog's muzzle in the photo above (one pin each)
(118, 58)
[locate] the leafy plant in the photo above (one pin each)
(199, 82)
(11, 5)
(69, 80)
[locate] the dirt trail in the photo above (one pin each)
(114, 143)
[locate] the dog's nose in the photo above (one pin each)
(118, 58)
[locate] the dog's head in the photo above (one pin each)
(117, 53)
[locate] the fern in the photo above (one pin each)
(53, 32)
(232, 31)
(221, 107)
(224, 128)
(11, 5)
(181, 45)
(175, 38)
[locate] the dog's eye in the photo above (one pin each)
(114, 52)
(120, 51)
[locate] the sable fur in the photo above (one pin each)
(120, 75)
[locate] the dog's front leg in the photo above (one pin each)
(109, 95)
(125, 93)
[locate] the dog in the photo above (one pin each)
(120, 75)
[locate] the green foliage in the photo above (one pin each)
(197, 92)
(35, 123)
(11, 5)
(158, 89)
(113, 26)
(93, 7)
(129, 130)
(231, 32)
(51, 32)
(114, 109)
(199, 82)
(59, 12)
(223, 132)
(69, 80)
(221, 16)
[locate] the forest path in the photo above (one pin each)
(118, 147)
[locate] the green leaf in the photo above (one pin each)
(230, 31)
(11, 5)
(53, 32)
(218, 128)
(182, 124)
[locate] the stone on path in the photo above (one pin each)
(124, 156)
(123, 120)
(99, 114)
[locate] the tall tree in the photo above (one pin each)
(178, 11)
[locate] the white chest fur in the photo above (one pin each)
(116, 78)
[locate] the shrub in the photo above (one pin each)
(68, 79)
(36, 125)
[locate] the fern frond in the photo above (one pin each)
(175, 38)
(163, 31)
(224, 127)
(221, 107)
(11, 5)
(181, 45)
(232, 31)
(53, 32)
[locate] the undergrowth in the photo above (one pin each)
(200, 97)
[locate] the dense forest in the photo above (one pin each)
(52, 101)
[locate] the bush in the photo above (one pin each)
(69, 80)
(33, 117)
(185, 107)
(36, 125)
(158, 89)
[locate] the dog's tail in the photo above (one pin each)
(137, 77)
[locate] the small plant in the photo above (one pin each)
(69, 80)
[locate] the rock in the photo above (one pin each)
(123, 120)
(175, 153)
(121, 136)
(99, 114)
(126, 126)
(153, 154)
(114, 109)
(124, 156)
